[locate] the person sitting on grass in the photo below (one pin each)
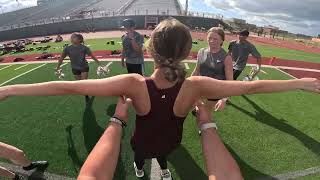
(163, 101)
(77, 53)
(18, 157)
(102, 161)
(59, 38)
(214, 62)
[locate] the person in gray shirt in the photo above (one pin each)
(240, 51)
(77, 53)
(132, 52)
(214, 62)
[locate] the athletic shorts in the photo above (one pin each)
(135, 68)
(213, 99)
(78, 72)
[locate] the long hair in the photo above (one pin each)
(170, 44)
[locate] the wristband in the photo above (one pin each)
(206, 126)
(118, 121)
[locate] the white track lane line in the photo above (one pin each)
(22, 74)
(186, 65)
(21, 67)
(6, 67)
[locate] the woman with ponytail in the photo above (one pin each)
(163, 101)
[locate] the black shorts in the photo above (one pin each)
(213, 99)
(78, 72)
(135, 68)
(236, 74)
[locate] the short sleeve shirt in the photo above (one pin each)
(132, 56)
(240, 53)
(77, 54)
(212, 64)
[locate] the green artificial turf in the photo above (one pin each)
(267, 134)
(101, 44)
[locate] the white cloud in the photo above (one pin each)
(11, 5)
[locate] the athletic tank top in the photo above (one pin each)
(212, 64)
(160, 131)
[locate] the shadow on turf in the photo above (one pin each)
(92, 133)
(280, 124)
(185, 166)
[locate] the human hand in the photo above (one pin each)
(203, 114)
(310, 84)
(122, 108)
(220, 106)
(3, 94)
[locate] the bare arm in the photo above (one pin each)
(218, 161)
(102, 161)
(60, 61)
(214, 89)
(228, 68)
(114, 86)
(94, 57)
(196, 71)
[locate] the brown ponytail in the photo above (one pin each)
(170, 44)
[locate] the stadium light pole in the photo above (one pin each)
(187, 7)
(1, 9)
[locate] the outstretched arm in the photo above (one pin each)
(113, 86)
(215, 89)
(102, 161)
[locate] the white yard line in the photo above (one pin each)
(22, 74)
(6, 67)
(293, 175)
(63, 65)
(21, 67)
(151, 60)
(186, 65)
(285, 73)
(109, 64)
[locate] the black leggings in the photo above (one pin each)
(139, 160)
(236, 74)
(134, 68)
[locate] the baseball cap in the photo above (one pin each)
(128, 23)
(244, 33)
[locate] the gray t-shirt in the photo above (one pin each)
(240, 53)
(132, 56)
(77, 54)
(212, 64)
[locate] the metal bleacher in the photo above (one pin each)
(153, 7)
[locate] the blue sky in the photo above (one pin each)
(293, 15)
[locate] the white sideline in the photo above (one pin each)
(21, 67)
(22, 74)
(6, 67)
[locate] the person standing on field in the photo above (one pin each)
(240, 51)
(132, 53)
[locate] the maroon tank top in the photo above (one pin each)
(160, 131)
